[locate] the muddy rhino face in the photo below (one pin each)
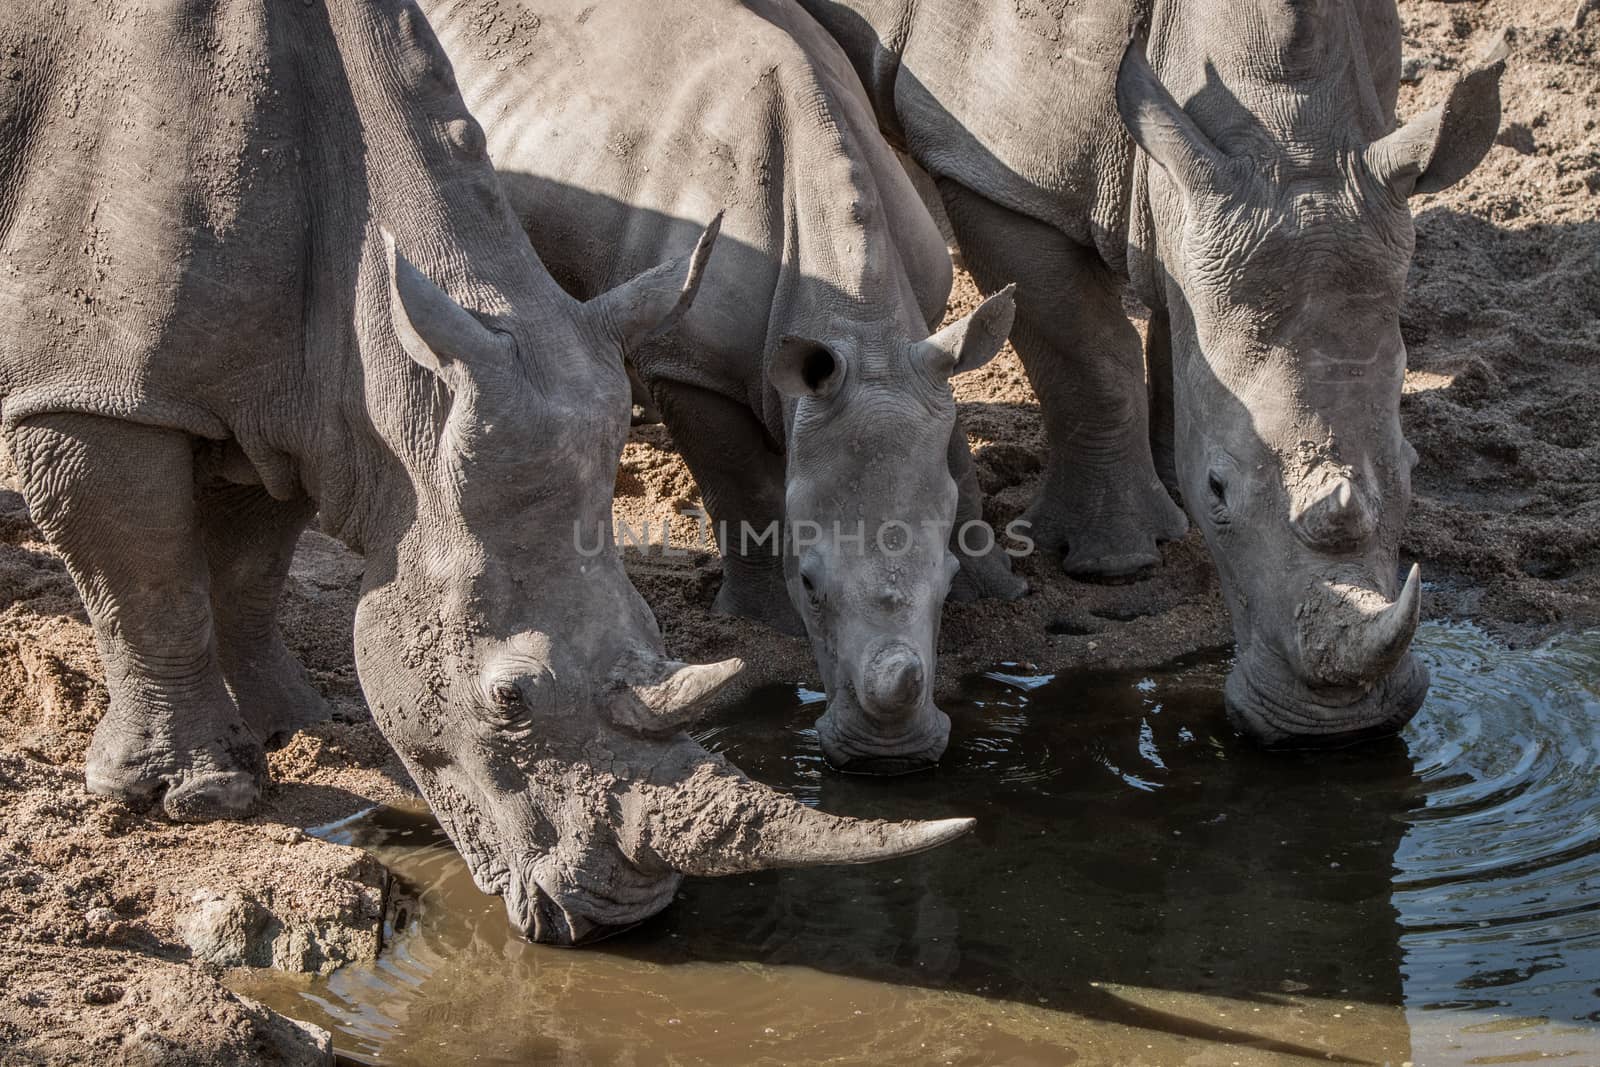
(1284, 267)
(869, 506)
(508, 658)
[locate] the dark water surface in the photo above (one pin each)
(1143, 888)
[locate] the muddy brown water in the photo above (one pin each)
(1143, 889)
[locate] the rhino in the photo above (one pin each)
(257, 267)
(803, 388)
(1238, 167)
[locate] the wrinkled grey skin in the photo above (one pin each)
(1265, 223)
(207, 334)
(800, 386)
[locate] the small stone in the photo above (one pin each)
(100, 917)
(103, 993)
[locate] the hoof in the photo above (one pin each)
(1115, 540)
(212, 796)
(968, 587)
(1111, 567)
(185, 797)
(220, 779)
(1114, 551)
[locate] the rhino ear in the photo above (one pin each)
(1440, 147)
(800, 367)
(1161, 127)
(973, 340)
(436, 332)
(651, 304)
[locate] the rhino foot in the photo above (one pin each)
(986, 577)
(1118, 540)
(217, 779)
(766, 602)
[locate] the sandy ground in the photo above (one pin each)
(117, 928)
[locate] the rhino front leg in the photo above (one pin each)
(117, 500)
(249, 541)
(986, 569)
(1101, 501)
(741, 483)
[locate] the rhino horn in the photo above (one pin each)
(717, 822)
(1352, 641)
(656, 696)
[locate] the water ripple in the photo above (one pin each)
(1498, 875)
(1143, 887)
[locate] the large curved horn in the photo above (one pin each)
(716, 821)
(653, 695)
(1349, 640)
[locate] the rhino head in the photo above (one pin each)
(869, 503)
(1282, 238)
(509, 661)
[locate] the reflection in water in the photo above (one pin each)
(1143, 888)
(1498, 881)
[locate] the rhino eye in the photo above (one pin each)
(810, 586)
(1219, 497)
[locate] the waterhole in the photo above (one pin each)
(1143, 888)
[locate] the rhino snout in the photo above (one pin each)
(893, 679)
(883, 722)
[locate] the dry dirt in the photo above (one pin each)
(116, 927)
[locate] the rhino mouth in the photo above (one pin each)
(1267, 703)
(548, 909)
(850, 745)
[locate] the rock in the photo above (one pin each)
(1414, 68)
(103, 993)
(322, 914)
(314, 929)
(96, 1006)
(226, 929)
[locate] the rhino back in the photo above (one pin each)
(1015, 100)
(620, 129)
(152, 221)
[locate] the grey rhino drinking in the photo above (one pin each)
(800, 387)
(1265, 223)
(206, 335)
